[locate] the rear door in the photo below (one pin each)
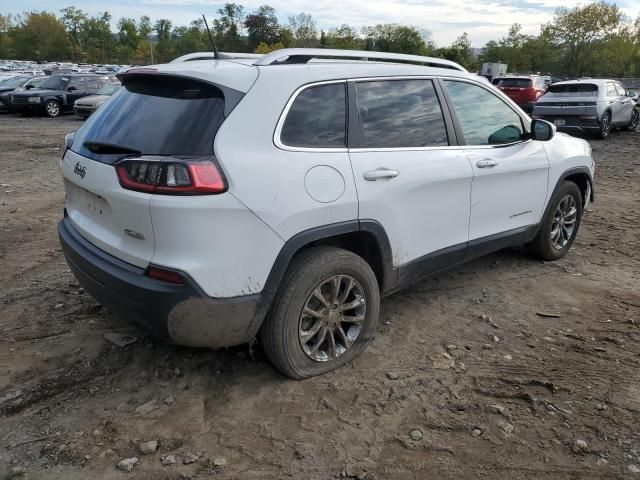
(408, 177)
(615, 105)
(510, 172)
(626, 104)
(75, 89)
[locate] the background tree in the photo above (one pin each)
(228, 28)
(396, 38)
(99, 41)
(579, 30)
(303, 30)
(39, 36)
(262, 27)
(74, 22)
(5, 39)
(345, 37)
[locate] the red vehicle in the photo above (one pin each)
(525, 91)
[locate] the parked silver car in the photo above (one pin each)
(589, 106)
(85, 106)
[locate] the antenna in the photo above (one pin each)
(216, 55)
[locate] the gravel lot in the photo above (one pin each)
(464, 380)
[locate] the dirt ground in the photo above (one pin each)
(464, 379)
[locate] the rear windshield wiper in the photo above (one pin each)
(109, 148)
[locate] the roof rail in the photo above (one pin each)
(303, 55)
(211, 56)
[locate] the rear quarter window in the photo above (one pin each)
(317, 118)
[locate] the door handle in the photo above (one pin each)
(486, 163)
(380, 173)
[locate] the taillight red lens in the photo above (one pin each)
(171, 177)
(163, 275)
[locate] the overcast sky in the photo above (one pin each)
(444, 19)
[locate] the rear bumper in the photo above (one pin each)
(572, 123)
(183, 314)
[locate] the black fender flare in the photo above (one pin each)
(294, 244)
(566, 174)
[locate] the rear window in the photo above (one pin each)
(156, 115)
(515, 82)
(574, 90)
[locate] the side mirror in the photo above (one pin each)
(508, 134)
(71, 89)
(542, 130)
(630, 94)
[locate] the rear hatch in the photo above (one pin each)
(135, 146)
(520, 90)
(568, 99)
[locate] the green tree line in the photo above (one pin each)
(591, 39)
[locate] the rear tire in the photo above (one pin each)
(287, 333)
(560, 225)
(605, 126)
(52, 108)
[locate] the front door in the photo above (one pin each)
(510, 171)
(407, 176)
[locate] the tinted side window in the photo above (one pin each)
(77, 83)
(485, 119)
(317, 118)
(92, 83)
(400, 113)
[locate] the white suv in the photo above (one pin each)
(212, 200)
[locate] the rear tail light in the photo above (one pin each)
(168, 276)
(172, 176)
(587, 117)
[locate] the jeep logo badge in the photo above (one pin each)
(80, 170)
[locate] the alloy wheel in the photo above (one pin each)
(53, 109)
(332, 318)
(605, 125)
(635, 116)
(564, 222)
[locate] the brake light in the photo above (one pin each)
(587, 117)
(163, 275)
(172, 176)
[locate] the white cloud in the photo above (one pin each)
(445, 19)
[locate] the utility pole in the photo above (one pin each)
(151, 47)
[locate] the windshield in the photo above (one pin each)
(515, 82)
(15, 82)
(156, 116)
(109, 89)
(55, 83)
(574, 90)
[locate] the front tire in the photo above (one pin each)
(324, 314)
(633, 122)
(560, 225)
(52, 108)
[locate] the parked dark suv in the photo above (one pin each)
(57, 94)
